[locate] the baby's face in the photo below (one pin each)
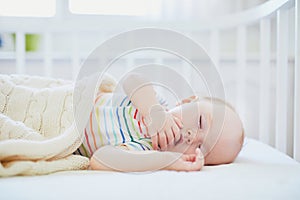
(214, 128)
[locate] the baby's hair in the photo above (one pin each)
(221, 101)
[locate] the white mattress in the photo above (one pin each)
(259, 172)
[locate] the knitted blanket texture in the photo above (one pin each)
(38, 134)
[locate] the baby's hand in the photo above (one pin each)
(187, 100)
(188, 162)
(163, 127)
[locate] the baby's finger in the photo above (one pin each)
(196, 166)
(194, 98)
(154, 140)
(189, 157)
(178, 121)
(170, 136)
(147, 134)
(176, 133)
(193, 166)
(186, 101)
(178, 103)
(198, 152)
(199, 158)
(162, 141)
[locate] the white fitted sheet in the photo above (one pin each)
(259, 172)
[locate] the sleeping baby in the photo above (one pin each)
(135, 132)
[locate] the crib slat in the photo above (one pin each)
(75, 55)
(241, 69)
(297, 85)
(264, 89)
(130, 63)
(215, 47)
(281, 80)
(186, 69)
(20, 52)
(48, 63)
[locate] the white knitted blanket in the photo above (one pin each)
(37, 130)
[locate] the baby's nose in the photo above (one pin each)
(189, 136)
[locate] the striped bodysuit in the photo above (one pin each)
(114, 121)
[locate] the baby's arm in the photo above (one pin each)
(140, 92)
(163, 127)
(112, 158)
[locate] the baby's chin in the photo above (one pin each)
(218, 156)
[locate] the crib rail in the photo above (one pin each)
(297, 84)
(91, 23)
(285, 139)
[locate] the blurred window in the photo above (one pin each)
(28, 8)
(115, 7)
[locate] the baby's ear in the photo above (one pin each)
(108, 84)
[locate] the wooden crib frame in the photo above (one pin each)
(278, 10)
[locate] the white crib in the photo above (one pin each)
(268, 78)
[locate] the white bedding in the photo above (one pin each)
(259, 172)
